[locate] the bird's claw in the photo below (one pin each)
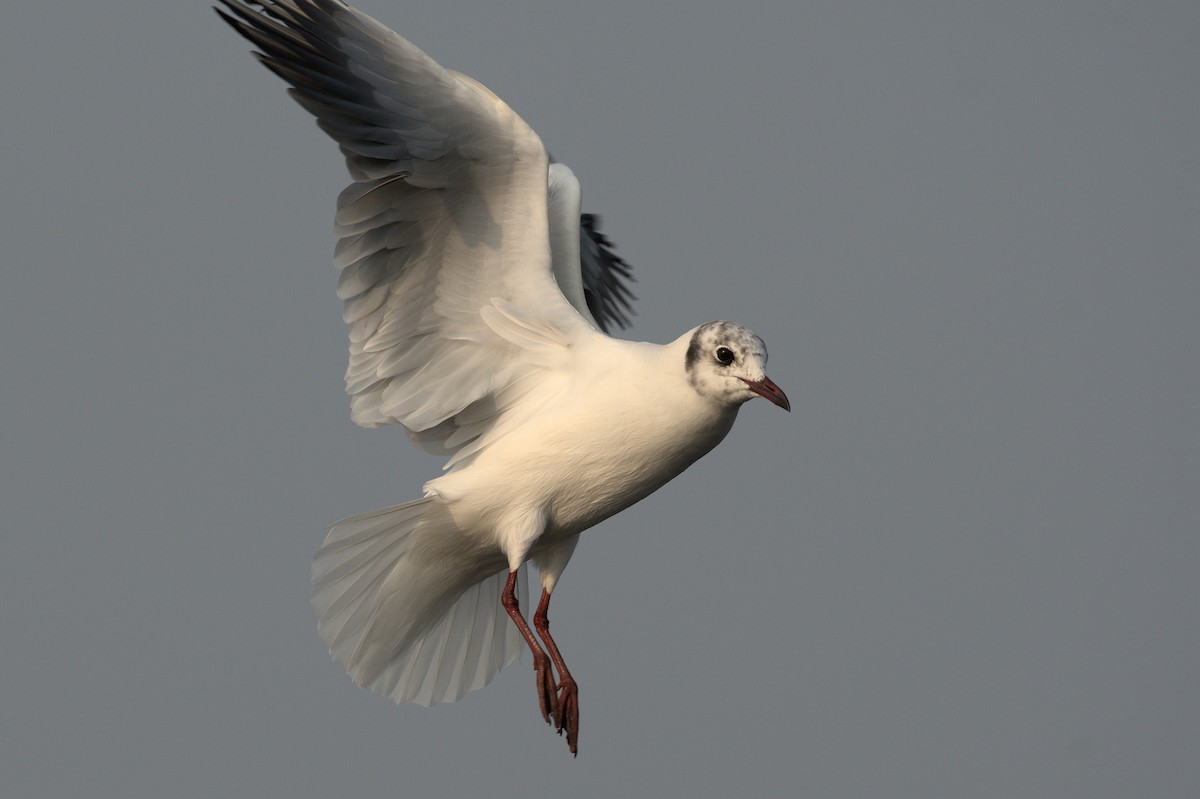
(548, 702)
(567, 719)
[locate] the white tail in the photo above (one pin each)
(403, 615)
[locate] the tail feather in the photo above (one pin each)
(411, 626)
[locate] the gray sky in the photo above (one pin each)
(966, 565)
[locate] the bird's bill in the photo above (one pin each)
(767, 389)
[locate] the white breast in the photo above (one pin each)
(616, 433)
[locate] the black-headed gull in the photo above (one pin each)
(478, 301)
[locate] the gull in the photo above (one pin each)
(479, 300)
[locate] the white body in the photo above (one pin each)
(618, 427)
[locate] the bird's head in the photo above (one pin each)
(726, 363)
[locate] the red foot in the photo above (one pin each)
(547, 699)
(568, 715)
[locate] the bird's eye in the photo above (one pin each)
(724, 356)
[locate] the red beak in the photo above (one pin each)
(767, 389)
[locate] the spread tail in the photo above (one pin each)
(407, 610)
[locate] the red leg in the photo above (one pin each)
(568, 697)
(547, 699)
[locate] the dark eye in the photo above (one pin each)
(724, 356)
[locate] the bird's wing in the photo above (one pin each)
(592, 277)
(444, 246)
(605, 277)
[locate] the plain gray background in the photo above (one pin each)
(966, 565)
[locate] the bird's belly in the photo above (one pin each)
(576, 483)
(610, 486)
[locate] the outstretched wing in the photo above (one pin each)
(443, 244)
(591, 276)
(605, 277)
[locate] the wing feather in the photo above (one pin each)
(447, 215)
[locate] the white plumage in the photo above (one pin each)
(478, 300)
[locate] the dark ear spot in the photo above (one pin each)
(693, 351)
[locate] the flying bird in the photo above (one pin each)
(479, 301)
